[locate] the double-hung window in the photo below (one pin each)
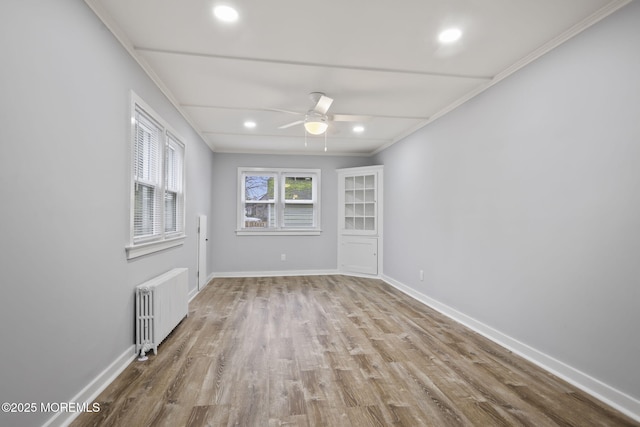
(278, 201)
(157, 193)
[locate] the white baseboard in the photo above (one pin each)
(209, 278)
(94, 388)
(275, 273)
(596, 388)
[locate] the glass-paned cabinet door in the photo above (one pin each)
(360, 209)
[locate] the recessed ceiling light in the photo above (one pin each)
(249, 124)
(358, 129)
(450, 35)
(225, 13)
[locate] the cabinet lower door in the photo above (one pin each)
(359, 254)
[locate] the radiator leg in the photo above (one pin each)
(143, 350)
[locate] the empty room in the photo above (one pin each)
(356, 213)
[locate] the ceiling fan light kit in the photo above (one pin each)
(316, 125)
(312, 124)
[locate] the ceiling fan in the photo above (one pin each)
(316, 120)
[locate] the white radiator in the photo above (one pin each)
(161, 303)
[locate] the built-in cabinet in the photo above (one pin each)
(360, 220)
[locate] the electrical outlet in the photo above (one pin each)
(421, 275)
(283, 257)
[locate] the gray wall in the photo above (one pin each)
(66, 310)
(259, 254)
(523, 206)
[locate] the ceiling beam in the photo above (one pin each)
(312, 64)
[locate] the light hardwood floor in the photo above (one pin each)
(334, 351)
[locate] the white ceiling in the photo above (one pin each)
(373, 57)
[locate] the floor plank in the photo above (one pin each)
(334, 351)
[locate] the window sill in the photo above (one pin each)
(141, 249)
(245, 232)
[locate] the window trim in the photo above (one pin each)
(279, 175)
(137, 246)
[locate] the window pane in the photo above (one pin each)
(298, 188)
(146, 149)
(170, 212)
(259, 215)
(170, 168)
(174, 186)
(258, 187)
(298, 215)
(144, 211)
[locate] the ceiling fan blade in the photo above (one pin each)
(349, 118)
(288, 125)
(323, 104)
